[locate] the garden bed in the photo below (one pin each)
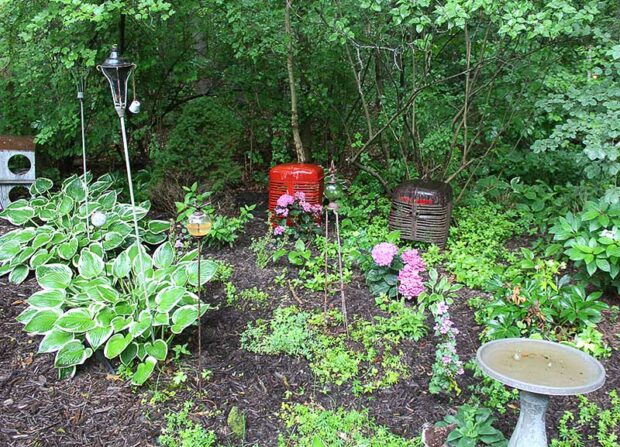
(99, 408)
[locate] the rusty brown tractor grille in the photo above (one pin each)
(421, 210)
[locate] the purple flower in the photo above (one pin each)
(285, 200)
(300, 195)
(317, 209)
(307, 207)
(442, 308)
(411, 283)
(279, 230)
(282, 211)
(446, 359)
(412, 258)
(178, 243)
(383, 253)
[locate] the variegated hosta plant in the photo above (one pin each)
(113, 306)
(53, 225)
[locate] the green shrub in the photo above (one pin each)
(203, 142)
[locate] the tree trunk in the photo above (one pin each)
(299, 147)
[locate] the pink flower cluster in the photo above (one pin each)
(383, 254)
(446, 351)
(411, 284)
(286, 203)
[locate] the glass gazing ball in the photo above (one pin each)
(98, 219)
(333, 192)
(198, 224)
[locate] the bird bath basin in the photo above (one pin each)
(538, 369)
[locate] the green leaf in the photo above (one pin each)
(159, 226)
(159, 349)
(112, 240)
(9, 250)
(52, 298)
(144, 371)
(96, 337)
(19, 274)
(40, 258)
(120, 323)
(116, 344)
(67, 250)
(40, 185)
(183, 317)
(164, 255)
(90, 264)
(76, 320)
(54, 276)
(603, 264)
(66, 373)
(207, 270)
(54, 340)
(129, 353)
(121, 266)
(71, 354)
(18, 212)
(42, 321)
(168, 298)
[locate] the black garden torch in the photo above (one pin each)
(118, 71)
(198, 226)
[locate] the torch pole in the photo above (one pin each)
(80, 96)
(342, 296)
(199, 322)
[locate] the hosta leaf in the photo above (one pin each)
(67, 250)
(121, 265)
(71, 354)
(54, 276)
(40, 185)
(120, 323)
(65, 206)
(97, 337)
(158, 226)
(164, 255)
(74, 188)
(18, 212)
(167, 298)
(158, 349)
(207, 270)
(19, 274)
(54, 340)
(26, 315)
(66, 373)
(144, 371)
(154, 239)
(116, 344)
(40, 258)
(112, 240)
(21, 235)
(76, 320)
(107, 200)
(122, 228)
(97, 249)
(90, 264)
(42, 321)
(129, 353)
(42, 239)
(137, 328)
(161, 319)
(103, 293)
(141, 263)
(47, 298)
(9, 250)
(183, 317)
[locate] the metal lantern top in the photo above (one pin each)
(198, 223)
(117, 71)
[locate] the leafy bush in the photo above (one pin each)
(528, 309)
(474, 426)
(130, 307)
(591, 239)
(56, 226)
(181, 431)
(206, 137)
(324, 428)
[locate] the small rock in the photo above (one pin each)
(8, 402)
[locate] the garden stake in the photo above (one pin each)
(198, 226)
(80, 96)
(342, 297)
(326, 270)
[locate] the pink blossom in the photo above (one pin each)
(383, 253)
(178, 243)
(283, 212)
(412, 258)
(411, 283)
(442, 308)
(446, 359)
(300, 195)
(307, 207)
(285, 200)
(317, 209)
(279, 230)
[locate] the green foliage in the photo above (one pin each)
(236, 423)
(205, 137)
(593, 423)
(55, 227)
(591, 239)
(130, 307)
(181, 431)
(474, 426)
(527, 309)
(316, 427)
(591, 341)
(491, 393)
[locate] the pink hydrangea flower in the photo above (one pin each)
(279, 230)
(283, 212)
(412, 257)
(300, 195)
(317, 209)
(307, 207)
(442, 308)
(411, 283)
(178, 243)
(446, 359)
(285, 200)
(383, 253)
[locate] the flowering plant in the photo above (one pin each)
(293, 214)
(447, 364)
(390, 274)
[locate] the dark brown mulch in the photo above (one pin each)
(99, 409)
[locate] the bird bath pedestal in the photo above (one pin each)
(538, 369)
